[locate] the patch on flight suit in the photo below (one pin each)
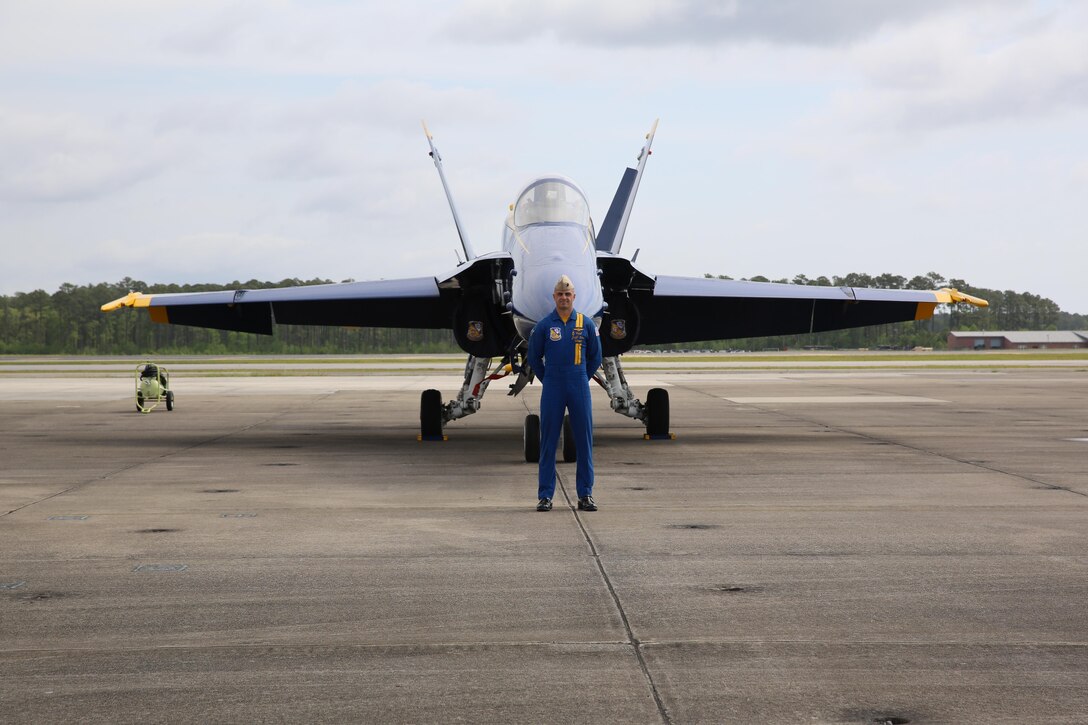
(475, 331)
(578, 336)
(619, 329)
(556, 334)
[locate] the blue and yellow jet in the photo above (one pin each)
(491, 301)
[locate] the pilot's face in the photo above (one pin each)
(564, 301)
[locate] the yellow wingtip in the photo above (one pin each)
(947, 295)
(132, 299)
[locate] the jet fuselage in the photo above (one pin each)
(549, 233)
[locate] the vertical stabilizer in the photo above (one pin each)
(470, 254)
(610, 237)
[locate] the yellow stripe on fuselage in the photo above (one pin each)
(578, 322)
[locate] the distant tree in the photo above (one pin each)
(890, 281)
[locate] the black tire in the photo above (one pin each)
(169, 399)
(531, 438)
(657, 412)
(430, 414)
(570, 448)
(139, 403)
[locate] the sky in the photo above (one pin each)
(212, 141)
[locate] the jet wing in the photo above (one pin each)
(417, 302)
(690, 309)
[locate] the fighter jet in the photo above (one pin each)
(491, 301)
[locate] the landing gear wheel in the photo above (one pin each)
(570, 449)
(531, 439)
(170, 400)
(657, 412)
(430, 414)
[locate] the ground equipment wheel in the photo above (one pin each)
(531, 438)
(169, 399)
(570, 448)
(139, 403)
(657, 412)
(430, 414)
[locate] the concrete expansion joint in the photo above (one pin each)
(632, 640)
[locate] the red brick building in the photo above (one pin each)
(1018, 340)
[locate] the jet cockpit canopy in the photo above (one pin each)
(551, 200)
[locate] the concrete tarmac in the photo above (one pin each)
(820, 547)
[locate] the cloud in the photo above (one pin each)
(238, 256)
(388, 106)
(366, 143)
(65, 157)
(217, 34)
(960, 71)
(659, 23)
(289, 37)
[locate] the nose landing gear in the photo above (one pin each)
(531, 440)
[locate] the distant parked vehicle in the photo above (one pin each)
(153, 387)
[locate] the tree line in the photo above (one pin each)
(70, 322)
(1008, 310)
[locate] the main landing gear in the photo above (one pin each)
(654, 413)
(434, 414)
(431, 413)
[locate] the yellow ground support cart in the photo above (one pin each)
(153, 387)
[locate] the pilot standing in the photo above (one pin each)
(564, 352)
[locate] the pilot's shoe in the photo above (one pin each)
(544, 504)
(586, 503)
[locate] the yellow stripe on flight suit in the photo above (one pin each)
(578, 339)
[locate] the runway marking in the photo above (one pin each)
(835, 399)
(161, 567)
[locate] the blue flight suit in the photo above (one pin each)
(572, 356)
